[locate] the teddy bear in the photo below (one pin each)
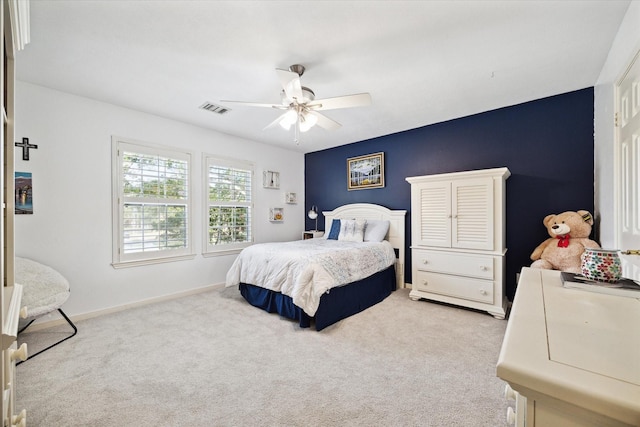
(569, 233)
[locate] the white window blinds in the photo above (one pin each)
(229, 204)
(153, 202)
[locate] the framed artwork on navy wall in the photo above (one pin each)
(365, 171)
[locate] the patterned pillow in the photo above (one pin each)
(335, 230)
(352, 230)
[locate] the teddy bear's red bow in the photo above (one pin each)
(563, 241)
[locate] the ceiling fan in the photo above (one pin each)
(301, 109)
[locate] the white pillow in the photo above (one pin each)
(376, 230)
(352, 230)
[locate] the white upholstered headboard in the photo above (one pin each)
(395, 236)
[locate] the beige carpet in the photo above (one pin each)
(213, 360)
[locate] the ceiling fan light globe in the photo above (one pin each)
(307, 121)
(312, 119)
(304, 126)
(288, 119)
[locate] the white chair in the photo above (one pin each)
(44, 290)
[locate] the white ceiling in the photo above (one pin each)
(423, 62)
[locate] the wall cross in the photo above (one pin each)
(25, 147)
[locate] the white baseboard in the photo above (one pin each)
(45, 324)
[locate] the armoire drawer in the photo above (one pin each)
(472, 265)
(454, 286)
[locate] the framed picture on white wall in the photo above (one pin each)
(291, 198)
(271, 179)
(24, 193)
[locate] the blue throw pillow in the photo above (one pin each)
(335, 230)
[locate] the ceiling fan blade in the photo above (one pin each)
(324, 121)
(291, 84)
(275, 122)
(253, 104)
(285, 120)
(346, 101)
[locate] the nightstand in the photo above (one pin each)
(312, 234)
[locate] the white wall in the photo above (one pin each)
(70, 229)
(623, 49)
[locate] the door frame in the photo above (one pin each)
(630, 262)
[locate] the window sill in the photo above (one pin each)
(140, 262)
(222, 253)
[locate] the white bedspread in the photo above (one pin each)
(306, 269)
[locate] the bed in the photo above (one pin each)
(324, 280)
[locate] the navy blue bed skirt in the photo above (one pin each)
(339, 303)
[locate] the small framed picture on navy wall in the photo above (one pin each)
(365, 171)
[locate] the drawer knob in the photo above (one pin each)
(21, 353)
(425, 283)
(424, 261)
(20, 419)
(511, 416)
(483, 292)
(509, 393)
(484, 268)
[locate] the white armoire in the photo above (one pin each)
(458, 239)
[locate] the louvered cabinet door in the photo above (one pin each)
(472, 219)
(432, 218)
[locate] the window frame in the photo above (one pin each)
(209, 250)
(119, 258)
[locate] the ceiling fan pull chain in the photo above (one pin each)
(296, 134)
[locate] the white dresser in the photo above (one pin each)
(14, 23)
(573, 355)
(458, 239)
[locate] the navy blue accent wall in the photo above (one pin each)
(547, 145)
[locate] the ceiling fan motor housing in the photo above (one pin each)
(307, 96)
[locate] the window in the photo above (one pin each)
(229, 209)
(152, 215)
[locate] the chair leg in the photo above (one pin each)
(75, 331)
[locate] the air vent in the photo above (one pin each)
(218, 109)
